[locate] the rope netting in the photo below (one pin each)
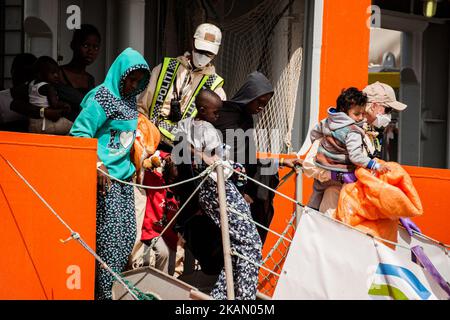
(261, 40)
(275, 258)
(274, 124)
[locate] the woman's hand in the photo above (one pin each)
(248, 199)
(103, 182)
(292, 163)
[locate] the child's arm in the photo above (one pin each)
(209, 160)
(89, 121)
(52, 97)
(356, 154)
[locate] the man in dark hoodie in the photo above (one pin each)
(236, 124)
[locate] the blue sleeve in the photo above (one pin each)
(90, 119)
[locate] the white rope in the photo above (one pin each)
(263, 185)
(237, 254)
(205, 172)
(446, 247)
(155, 240)
(349, 226)
(258, 224)
(74, 235)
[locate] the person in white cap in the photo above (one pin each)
(175, 83)
(381, 102)
(170, 97)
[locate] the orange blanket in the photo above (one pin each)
(145, 144)
(375, 202)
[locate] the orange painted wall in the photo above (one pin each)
(345, 49)
(34, 263)
(433, 186)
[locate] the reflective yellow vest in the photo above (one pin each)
(164, 85)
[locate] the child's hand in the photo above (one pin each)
(170, 171)
(383, 168)
(210, 160)
(52, 114)
(66, 108)
(103, 182)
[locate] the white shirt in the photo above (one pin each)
(200, 134)
(204, 137)
(35, 97)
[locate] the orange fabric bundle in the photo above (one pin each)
(375, 202)
(145, 144)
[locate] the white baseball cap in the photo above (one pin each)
(384, 94)
(207, 37)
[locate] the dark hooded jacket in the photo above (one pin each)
(234, 116)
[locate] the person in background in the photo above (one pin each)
(21, 75)
(109, 114)
(42, 93)
(170, 97)
(176, 82)
(162, 205)
(237, 114)
(76, 82)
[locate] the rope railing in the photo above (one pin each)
(136, 294)
(73, 235)
(202, 174)
(156, 239)
(282, 237)
(349, 226)
(233, 210)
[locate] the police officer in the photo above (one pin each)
(175, 83)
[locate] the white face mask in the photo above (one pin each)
(382, 120)
(200, 60)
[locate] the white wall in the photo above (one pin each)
(47, 11)
(121, 24)
(131, 24)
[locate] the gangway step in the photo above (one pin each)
(161, 285)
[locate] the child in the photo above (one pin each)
(109, 114)
(205, 143)
(161, 207)
(342, 147)
(42, 93)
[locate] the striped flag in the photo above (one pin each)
(398, 283)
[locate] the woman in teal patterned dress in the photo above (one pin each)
(109, 114)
